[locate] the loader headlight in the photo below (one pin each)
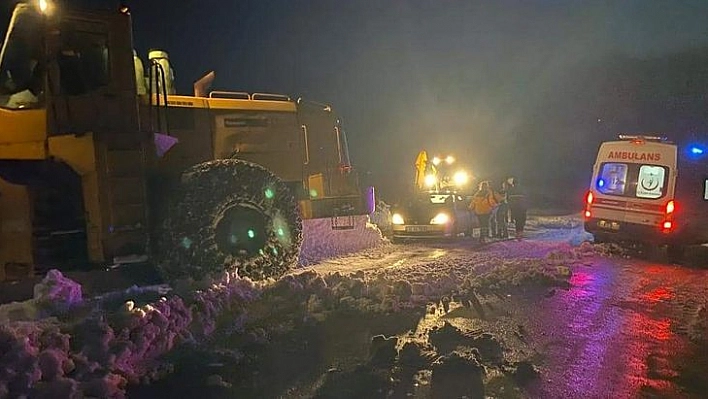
(440, 218)
(430, 180)
(461, 178)
(397, 219)
(45, 6)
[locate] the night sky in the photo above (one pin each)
(522, 87)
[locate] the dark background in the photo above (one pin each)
(528, 88)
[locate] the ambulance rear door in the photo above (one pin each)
(634, 181)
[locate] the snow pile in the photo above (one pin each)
(113, 345)
(322, 241)
(556, 222)
(224, 297)
(18, 311)
(330, 292)
(457, 375)
(511, 276)
(581, 236)
(418, 361)
(611, 249)
(54, 295)
(20, 351)
(568, 228)
(381, 217)
(564, 256)
(57, 292)
(698, 325)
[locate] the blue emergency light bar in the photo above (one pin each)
(696, 151)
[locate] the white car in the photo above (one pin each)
(431, 215)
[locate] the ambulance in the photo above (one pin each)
(648, 190)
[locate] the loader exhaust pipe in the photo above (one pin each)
(203, 84)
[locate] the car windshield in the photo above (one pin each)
(440, 198)
(434, 199)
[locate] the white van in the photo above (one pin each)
(651, 191)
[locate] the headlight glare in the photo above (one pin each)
(461, 178)
(397, 219)
(440, 218)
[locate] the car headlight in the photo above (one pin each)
(397, 219)
(430, 180)
(440, 218)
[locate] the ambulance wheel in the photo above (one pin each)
(230, 215)
(675, 253)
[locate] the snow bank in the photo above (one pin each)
(568, 228)
(55, 294)
(456, 361)
(98, 346)
(381, 217)
(322, 241)
(698, 324)
(120, 338)
(99, 353)
(555, 222)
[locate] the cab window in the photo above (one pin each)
(83, 62)
(440, 199)
(21, 72)
(632, 180)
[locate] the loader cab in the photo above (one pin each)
(70, 143)
(50, 59)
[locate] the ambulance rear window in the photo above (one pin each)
(632, 180)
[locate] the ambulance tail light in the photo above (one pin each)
(588, 204)
(668, 225)
(670, 207)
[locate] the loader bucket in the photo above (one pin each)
(163, 143)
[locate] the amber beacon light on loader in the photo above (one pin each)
(99, 158)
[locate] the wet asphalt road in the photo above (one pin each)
(623, 330)
(631, 325)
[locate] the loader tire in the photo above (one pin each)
(230, 215)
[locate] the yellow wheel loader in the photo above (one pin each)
(99, 161)
(440, 174)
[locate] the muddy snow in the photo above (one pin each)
(552, 315)
(421, 320)
(529, 318)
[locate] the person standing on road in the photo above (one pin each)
(517, 205)
(499, 220)
(482, 204)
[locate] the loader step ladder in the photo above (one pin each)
(125, 192)
(342, 222)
